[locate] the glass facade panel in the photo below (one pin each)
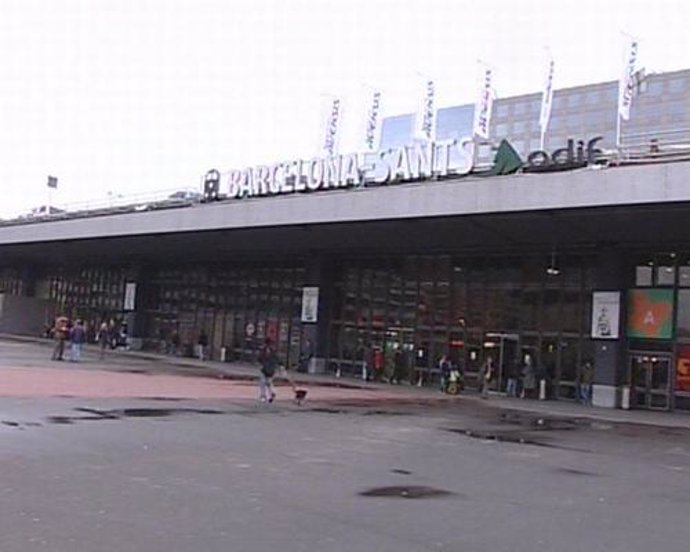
(683, 323)
(643, 276)
(665, 275)
(435, 305)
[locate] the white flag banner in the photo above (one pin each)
(484, 105)
(626, 85)
(547, 98)
(372, 130)
(330, 134)
(425, 121)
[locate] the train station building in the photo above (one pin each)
(576, 253)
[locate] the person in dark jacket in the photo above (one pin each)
(77, 338)
(268, 358)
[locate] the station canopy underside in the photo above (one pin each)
(657, 226)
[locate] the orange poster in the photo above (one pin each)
(650, 313)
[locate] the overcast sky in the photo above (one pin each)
(129, 96)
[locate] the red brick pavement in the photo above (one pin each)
(93, 383)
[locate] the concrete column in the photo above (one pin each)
(136, 319)
(320, 274)
(610, 355)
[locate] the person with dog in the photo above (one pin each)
(268, 358)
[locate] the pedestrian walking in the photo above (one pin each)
(445, 366)
(486, 372)
(512, 369)
(103, 339)
(201, 345)
(529, 379)
(584, 383)
(60, 334)
(268, 358)
(175, 343)
(77, 337)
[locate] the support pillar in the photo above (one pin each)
(135, 312)
(320, 274)
(610, 354)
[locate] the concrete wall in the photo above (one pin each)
(22, 315)
(636, 185)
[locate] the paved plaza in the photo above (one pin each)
(152, 454)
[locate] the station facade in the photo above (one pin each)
(574, 259)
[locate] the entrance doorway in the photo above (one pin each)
(649, 375)
(506, 346)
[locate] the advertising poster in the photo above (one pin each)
(683, 369)
(130, 296)
(650, 313)
(606, 308)
(310, 304)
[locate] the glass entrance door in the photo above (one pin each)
(649, 375)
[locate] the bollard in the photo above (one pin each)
(625, 397)
(223, 352)
(542, 390)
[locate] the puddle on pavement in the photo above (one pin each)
(118, 414)
(401, 472)
(574, 471)
(407, 492)
(500, 436)
(540, 423)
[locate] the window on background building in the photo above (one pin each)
(592, 97)
(520, 108)
(560, 101)
(575, 100)
(677, 86)
(676, 108)
(519, 127)
(501, 130)
(454, 122)
(502, 109)
(519, 146)
(556, 123)
(396, 131)
(655, 88)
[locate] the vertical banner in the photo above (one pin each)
(330, 134)
(626, 85)
(425, 121)
(310, 304)
(372, 130)
(484, 105)
(546, 101)
(606, 308)
(130, 296)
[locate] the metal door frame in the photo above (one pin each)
(648, 391)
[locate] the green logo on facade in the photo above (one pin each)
(506, 161)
